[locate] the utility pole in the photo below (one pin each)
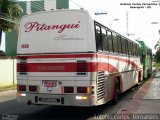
(127, 22)
(127, 25)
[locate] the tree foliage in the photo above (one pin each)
(157, 46)
(10, 13)
(157, 56)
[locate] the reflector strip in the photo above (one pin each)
(88, 90)
(62, 89)
(21, 94)
(81, 97)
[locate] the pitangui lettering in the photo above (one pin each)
(41, 27)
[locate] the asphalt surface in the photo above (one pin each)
(140, 100)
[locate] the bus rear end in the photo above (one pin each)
(56, 61)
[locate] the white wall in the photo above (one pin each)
(8, 72)
(49, 4)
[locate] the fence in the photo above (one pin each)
(8, 71)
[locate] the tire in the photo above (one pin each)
(116, 92)
(139, 77)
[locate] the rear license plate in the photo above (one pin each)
(49, 99)
(49, 83)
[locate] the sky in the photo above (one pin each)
(140, 15)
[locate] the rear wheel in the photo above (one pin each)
(139, 77)
(116, 91)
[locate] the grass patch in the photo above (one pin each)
(156, 64)
(9, 87)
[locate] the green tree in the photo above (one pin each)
(10, 13)
(157, 56)
(157, 46)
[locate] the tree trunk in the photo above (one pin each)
(0, 37)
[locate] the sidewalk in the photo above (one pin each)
(8, 88)
(7, 95)
(151, 100)
(147, 99)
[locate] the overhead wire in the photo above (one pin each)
(76, 4)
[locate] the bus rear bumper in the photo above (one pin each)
(61, 100)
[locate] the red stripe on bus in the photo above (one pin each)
(80, 56)
(119, 59)
(66, 67)
(57, 56)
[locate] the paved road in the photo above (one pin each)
(10, 108)
(132, 101)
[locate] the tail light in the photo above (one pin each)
(82, 90)
(21, 87)
(68, 89)
(33, 88)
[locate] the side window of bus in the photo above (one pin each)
(140, 54)
(104, 39)
(138, 50)
(109, 39)
(130, 48)
(119, 44)
(115, 42)
(134, 49)
(123, 46)
(98, 38)
(127, 48)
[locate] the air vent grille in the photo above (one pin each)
(101, 81)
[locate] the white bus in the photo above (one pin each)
(66, 58)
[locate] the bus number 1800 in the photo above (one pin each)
(24, 45)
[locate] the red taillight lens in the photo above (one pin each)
(33, 88)
(81, 89)
(21, 87)
(68, 89)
